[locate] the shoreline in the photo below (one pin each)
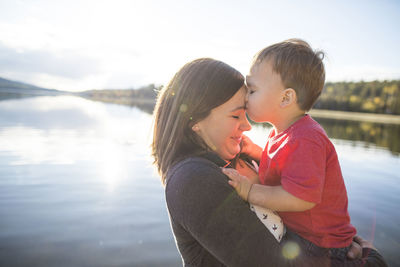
(355, 116)
(123, 100)
(317, 113)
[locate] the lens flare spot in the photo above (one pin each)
(183, 108)
(290, 250)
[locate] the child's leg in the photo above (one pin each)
(339, 253)
(311, 249)
(307, 247)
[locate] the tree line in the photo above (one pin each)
(381, 97)
(144, 92)
(372, 97)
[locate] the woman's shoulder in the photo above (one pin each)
(191, 169)
(190, 180)
(196, 162)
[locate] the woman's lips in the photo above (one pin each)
(237, 139)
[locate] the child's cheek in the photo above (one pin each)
(252, 102)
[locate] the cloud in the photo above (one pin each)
(362, 72)
(65, 64)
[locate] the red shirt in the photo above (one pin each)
(303, 160)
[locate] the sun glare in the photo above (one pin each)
(111, 167)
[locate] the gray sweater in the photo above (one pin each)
(213, 226)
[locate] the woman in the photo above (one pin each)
(199, 121)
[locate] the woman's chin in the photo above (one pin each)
(229, 152)
(233, 153)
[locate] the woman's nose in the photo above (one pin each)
(245, 125)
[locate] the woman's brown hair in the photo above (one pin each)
(197, 88)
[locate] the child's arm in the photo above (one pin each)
(271, 197)
(251, 149)
(276, 198)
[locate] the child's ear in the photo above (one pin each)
(288, 97)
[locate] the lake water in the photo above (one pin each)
(77, 187)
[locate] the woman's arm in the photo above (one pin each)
(201, 201)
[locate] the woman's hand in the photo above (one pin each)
(241, 183)
(355, 251)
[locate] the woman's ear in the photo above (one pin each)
(288, 97)
(195, 128)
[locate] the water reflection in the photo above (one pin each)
(146, 107)
(367, 134)
(69, 129)
(77, 186)
(51, 113)
(382, 135)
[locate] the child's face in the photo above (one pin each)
(265, 92)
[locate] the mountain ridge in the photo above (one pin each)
(15, 89)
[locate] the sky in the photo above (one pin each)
(82, 45)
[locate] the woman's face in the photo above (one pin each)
(222, 129)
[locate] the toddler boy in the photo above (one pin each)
(299, 170)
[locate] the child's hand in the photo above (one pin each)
(247, 145)
(355, 251)
(241, 183)
(251, 149)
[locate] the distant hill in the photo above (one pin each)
(145, 92)
(143, 97)
(13, 89)
(379, 97)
